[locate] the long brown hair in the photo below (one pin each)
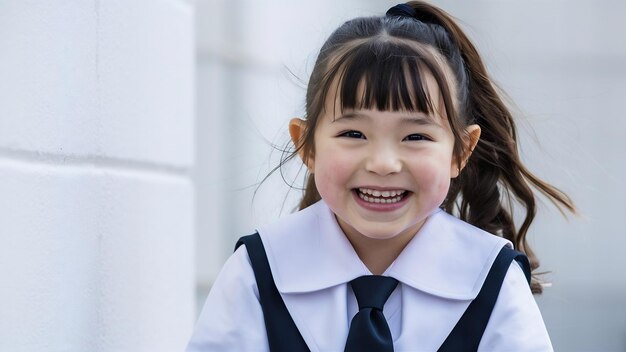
(377, 53)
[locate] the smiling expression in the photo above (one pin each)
(382, 173)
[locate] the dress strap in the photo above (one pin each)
(469, 330)
(282, 333)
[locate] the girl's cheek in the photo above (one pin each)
(331, 172)
(444, 187)
(332, 175)
(333, 162)
(436, 176)
(327, 187)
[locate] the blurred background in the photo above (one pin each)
(134, 135)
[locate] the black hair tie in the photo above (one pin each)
(402, 10)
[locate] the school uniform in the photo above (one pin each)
(440, 272)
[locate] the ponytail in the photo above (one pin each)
(494, 176)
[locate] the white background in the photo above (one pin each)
(97, 121)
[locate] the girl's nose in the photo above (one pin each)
(383, 161)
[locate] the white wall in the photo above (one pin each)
(96, 153)
(560, 61)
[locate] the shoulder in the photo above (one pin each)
(516, 322)
(237, 273)
(231, 319)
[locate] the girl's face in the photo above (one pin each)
(383, 173)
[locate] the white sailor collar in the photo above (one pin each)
(307, 251)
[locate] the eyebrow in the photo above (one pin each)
(422, 120)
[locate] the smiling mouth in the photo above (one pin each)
(381, 197)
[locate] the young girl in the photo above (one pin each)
(403, 129)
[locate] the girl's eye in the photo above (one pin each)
(416, 137)
(352, 134)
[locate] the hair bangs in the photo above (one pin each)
(387, 75)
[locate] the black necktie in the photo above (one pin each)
(369, 330)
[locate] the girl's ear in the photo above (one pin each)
(473, 135)
(297, 129)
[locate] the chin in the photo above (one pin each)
(379, 236)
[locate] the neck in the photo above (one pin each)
(378, 254)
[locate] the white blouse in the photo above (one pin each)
(440, 272)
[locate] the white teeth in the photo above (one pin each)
(397, 196)
(384, 194)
